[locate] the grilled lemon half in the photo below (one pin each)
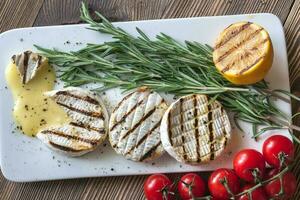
(243, 53)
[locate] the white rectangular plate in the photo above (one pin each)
(27, 159)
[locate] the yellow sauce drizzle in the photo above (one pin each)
(33, 111)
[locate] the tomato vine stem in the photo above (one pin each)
(259, 184)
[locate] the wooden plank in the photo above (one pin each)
(63, 12)
(18, 13)
(127, 10)
(54, 12)
(193, 8)
(292, 30)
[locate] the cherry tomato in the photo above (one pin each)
(273, 188)
(276, 144)
(217, 189)
(190, 186)
(157, 186)
(257, 194)
(246, 161)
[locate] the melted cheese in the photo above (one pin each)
(33, 111)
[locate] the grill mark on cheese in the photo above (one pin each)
(71, 137)
(235, 47)
(14, 59)
(224, 131)
(139, 122)
(216, 149)
(196, 129)
(84, 98)
(169, 128)
(84, 112)
(211, 134)
(63, 148)
(39, 61)
(181, 101)
(196, 116)
(126, 115)
(144, 137)
(25, 63)
(150, 152)
(233, 34)
(225, 141)
(88, 127)
(121, 102)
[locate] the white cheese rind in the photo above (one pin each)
(28, 63)
(88, 126)
(194, 131)
(134, 126)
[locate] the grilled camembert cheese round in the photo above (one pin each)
(134, 125)
(195, 130)
(243, 53)
(88, 126)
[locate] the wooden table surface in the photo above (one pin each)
(26, 13)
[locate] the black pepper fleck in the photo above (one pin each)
(43, 122)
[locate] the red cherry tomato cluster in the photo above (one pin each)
(249, 169)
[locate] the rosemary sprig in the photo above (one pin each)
(165, 65)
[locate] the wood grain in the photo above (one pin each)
(128, 10)
(18, 13)
(52, 12)
(292, 30)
